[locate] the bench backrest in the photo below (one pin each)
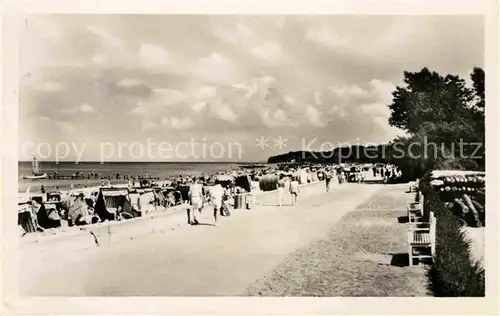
(432, 232)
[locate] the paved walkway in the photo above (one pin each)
(202, 260)
(364, 254)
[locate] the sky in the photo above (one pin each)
(223, 88)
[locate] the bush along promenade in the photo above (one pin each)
(454, 271)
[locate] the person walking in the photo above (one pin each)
(216, 194)
(328, 179)
(294, 190)
(281, 190)
(196, 199)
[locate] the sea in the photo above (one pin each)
(160, 170)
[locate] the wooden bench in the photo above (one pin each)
(415, 209)
(413, 186)
(422, 239)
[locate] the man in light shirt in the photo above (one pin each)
(216, 194)
(281, 190)
(196, 198)
(294, 190)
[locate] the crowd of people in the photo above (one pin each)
(216, 192)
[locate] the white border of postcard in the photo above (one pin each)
(12, 304)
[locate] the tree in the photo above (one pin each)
(428, 97)
(478, 77)
(441, 110)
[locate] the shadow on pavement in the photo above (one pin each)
(402, 219)
(400, 260)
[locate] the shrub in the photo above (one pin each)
(453, 273)
(268, 182)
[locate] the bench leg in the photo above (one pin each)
(410, 256)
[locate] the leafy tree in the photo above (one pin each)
(429, 97)
(443, 111)
(478, 77)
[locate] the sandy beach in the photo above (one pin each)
(199, 260)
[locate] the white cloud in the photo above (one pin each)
(376, 109)
(270, 52)
(345, 91)
(313, 116)
(280, 115)
(99, 59)
(249, 89)
(390, 132)
(179, 123)
(288, 99)
(278, 119)
(66, 127)
(147, 125)
(383, 90)
(327, 37)
(340, 110)
(215, 68)
(239, 35)
(318, 97)
(129, 82)
(154, 55)
(206, 92)
(223, 111)
(199, 106)
(138, 110)
(106, 38)
(167, 97)
(86, 108)
(51, 87)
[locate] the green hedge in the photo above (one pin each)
(453, 273)
(268, 182)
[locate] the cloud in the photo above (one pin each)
(273, 120)
(329, 75)
(148, 125)
(153, 55)
(238, 35)
(383, 90)
(318, 97)
(223, 112)
(346, 91)
(167, 97)
(51, 87)
(313, 116)
(138, 110)
(107, 39)
(178, 123)
(86, 108)
(339, 110)
(128, 82)
(206, 92)
(327, 37)
(66, 127)
(288, 99)
(215, 68)
(199, 106)
(270, 52)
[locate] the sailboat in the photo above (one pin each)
(36, 172)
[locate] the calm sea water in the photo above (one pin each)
(161, 170)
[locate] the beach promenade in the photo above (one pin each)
(203, 260)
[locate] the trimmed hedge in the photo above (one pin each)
(453, 273)
(268, 182)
